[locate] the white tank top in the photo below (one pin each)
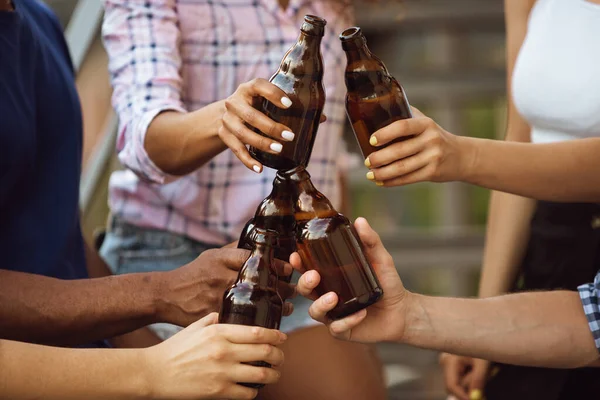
(556, 79)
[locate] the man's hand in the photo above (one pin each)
(383, 320)
(188, 293)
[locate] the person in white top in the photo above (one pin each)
(553, 54)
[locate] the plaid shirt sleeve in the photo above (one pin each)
(590, 297)
(142, 41)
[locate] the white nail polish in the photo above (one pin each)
(286, 102)
(287, 135)
(256, 169)
(276, 147)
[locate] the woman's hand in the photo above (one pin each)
(432, 154)
(240, 116)
(206, 360)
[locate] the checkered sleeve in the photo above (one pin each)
(142, 38)
(590, 297)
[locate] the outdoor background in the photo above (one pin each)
(450, 58)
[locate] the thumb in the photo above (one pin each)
(374, 249)
(479, 375)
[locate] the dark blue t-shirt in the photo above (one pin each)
(40, 147)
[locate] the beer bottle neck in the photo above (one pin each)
(258, 268)
(309, 202)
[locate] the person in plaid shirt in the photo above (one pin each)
(184, 74)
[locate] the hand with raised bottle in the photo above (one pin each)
(382, 321)
(240, 117)
(431, 154)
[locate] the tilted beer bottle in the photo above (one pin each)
(328, 243)
(275, 212)
(375, 99)
(300, 76)
(254, 300)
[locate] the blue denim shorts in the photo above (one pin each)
(128, 248)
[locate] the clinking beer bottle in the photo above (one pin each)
(375, 99)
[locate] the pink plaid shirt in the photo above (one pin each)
(184, 54)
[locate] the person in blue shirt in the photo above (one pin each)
(46, 294)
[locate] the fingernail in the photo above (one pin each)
(379, 183)
(287, 135)
(475, 394)
(370, 176)
(286, 102)
(367, 162)
(276, 147)
(329, 298)
(256, 169)
(373, 141)
(309, 279)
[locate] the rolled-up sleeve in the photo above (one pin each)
(590, 297)
(142, 41)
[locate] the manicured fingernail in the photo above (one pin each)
(475, 394)
(329, 298)
(379, 183)
(287, 135)
(309, 279)
(276, 147)
(286, 102)
(256, 169)
(373, 141)
(370, 176)
(367, 162)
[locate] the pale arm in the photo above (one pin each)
(30, 371)
(547, 329)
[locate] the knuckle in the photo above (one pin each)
(249, 115)
(229, 103)
(219, 352)
(257, 333)
(267, 350)
(261, 374)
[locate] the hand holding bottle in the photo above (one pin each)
(205, 360)
(240, 116)
(432, 154)
(383, 320)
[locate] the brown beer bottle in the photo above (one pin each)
(375, 99)
(328, 243)
(253, 300)
(275, 212)
(300, 76)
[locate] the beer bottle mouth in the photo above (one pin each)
(313, 25)
(296, 174)
(352, 38)
(350, 33)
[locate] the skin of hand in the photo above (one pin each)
(206, 360)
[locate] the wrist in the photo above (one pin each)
(469, 156)
(401, 316)
(414, 318)
(146, 372)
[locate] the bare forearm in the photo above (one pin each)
(143, 337)
(39, 309)
(179, 143)
(547, 329)
(506, 241)
(39, 372)
(565, 171)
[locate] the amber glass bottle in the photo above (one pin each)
(375, 99)
(253, 299)
(275, 212)
(328, 243)
(300, 76)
